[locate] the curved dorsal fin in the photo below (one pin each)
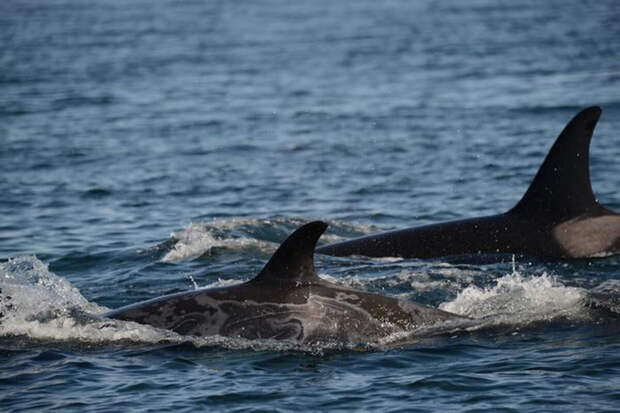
(293, 261)
(561, 188)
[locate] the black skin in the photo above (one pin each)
(557, 218)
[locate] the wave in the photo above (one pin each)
(517, 299)
(200, 239)
(39, 305)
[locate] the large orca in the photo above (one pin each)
(557, 218)
(286, 300)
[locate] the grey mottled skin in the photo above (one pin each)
(287, 300)
(557, 218)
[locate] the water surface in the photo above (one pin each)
(148, 148)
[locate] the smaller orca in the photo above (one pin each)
(557, 218)
(286, 300)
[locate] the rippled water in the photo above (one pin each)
(150, 148)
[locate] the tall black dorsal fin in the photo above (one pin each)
(294, 260)
(561, 188)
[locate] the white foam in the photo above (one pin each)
(40, 305)
(45, 306)
(518, 299)
(200, 238)
(27, 277)
(197, 240)
(37, 304)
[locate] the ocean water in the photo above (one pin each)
(148, 148)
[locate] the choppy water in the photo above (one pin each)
(149, 148)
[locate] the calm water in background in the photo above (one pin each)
(229, 124)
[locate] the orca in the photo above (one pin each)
(557, 218)
(285, 301)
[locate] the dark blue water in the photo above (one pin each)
(151, 147)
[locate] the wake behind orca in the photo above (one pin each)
(557, 218)
(286, 300)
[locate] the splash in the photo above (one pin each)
(202, 238)
(518, 299)
(28, 277)
(199, 239)
(38, 305)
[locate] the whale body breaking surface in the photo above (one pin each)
(557, 218)
(286, 301)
